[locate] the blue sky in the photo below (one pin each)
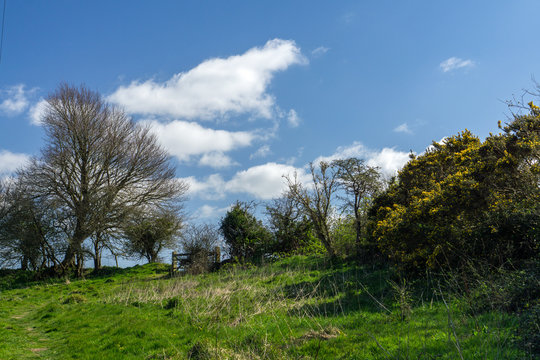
(242, 92)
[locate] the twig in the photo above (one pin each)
(374, 299)
(382, 348)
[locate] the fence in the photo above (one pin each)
(181, 261)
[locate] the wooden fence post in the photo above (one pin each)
(173, 263)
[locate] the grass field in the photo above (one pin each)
(296, 308)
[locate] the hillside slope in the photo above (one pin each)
(297, 308)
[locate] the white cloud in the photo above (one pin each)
(441, 142)
(15, 100)
(211, 188)
(184, 139)
(216, 160)
(216, 87)
(262, 181)
(266, 181)
(403, 128)
(261, 152)
(293, 119)
(454, 63)
(9, 162)
(388, 160)
(210, 212)
(37, 111)
(343, 152)
(321, 50)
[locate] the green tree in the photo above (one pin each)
(317, 201)
(246, 237)
(361, 183)
(344, 233)
(149, 232)
(290, 227)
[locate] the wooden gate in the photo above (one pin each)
(181, 261)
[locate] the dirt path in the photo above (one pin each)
(22, 338)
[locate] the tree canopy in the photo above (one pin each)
(245, 236)
(97, 169)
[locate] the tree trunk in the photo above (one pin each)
(80, 264)
(97, 262)
(358, 244)
(73, 255)
(24, 263)
(69, 258)
(97, 253)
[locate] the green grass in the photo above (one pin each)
(296, 308)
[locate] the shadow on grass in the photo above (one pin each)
(341, 292)
(135, 271)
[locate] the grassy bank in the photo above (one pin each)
(296, 308)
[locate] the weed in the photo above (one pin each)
(74, 298)
(403, 298)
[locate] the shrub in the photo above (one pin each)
(247, 238)
(507, 290)
(529, 330)
(200, 241)
(464, 199)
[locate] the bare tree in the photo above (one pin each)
(29, 232)
(98, 166)
(316, 201)
(360, 183)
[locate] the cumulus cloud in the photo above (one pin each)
(216, 87)
(293, 119)
(210, 188)
(184, 140)
(267, 181)
(388, 160)
(262, 182)
(454, 63)
(403, 128)
(37, 111)
(15, 100)
(216, 160)
(9, 162)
